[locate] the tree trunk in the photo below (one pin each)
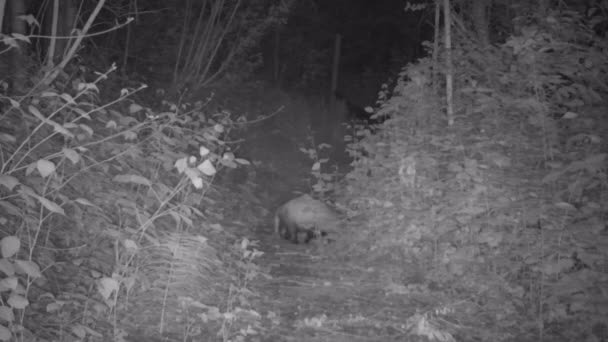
(480, 20)
(59, 22)
(16, 72)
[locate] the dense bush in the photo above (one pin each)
(499, 217)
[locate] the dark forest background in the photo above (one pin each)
(144, 146)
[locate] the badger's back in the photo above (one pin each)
(304, 214)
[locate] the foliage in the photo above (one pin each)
(218, 35)
(107, 212)
(516, 250)
(324, 182)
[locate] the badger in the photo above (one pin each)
(304, 215)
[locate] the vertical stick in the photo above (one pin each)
(434, 76)
(2, 7)
(335, 69)
(448, 61)
(275, 55)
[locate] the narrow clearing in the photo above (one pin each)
(314, 295)
(318, 298)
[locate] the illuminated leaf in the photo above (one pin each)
(9, 182)
(106, 286)
(207, 168)
(5, 334)
(6, 314)
(45, 167)
(9, 246)
(51, 206)
(71, 154)
(17, 301)
(134, 108)
(132, 179)
(29, 267)
(8, 284)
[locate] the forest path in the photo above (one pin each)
(313, 295)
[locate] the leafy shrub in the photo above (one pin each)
(107, 215)
(465, 214)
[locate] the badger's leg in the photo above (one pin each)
(310, 234)
(291, 232)
(282, 229)
(295, 234)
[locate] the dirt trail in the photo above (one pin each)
(317, 297)
(314, 296)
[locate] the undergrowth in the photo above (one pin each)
(496, 223)
(110, 223)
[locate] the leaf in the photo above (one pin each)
(7, 138)
(70, 125)
(79, 331)
(49, 94)
(17, 301)
(209, 136)
(242, 161)
(51, 206)
(9, 246)
(5, 334)
(106, 286)
(7, 267)
(45, 167)
(134, 108)
(229, 163)
(111, 124)
(9, 182)
(54, 307)
(8, 284)
(569, 115)
(87, 129)
(71, 154)
(197, 182)
(88, 86)
(12, 42)
(181, 164)
(557, 266)
(67, 98)
(130, 244)
(36, 113)
(27, 191)
(29, 19)
(218, 128)
(203, 151)
(492, 239)
(93, 333)
(207, 168)
(129, 135)
(20, 37)
(60, 129)
(176, 217)
(85, 201)
(30, 168)
(135, 179)
(6, 314)
(565, 206)
(553, 176)
(29, 267)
